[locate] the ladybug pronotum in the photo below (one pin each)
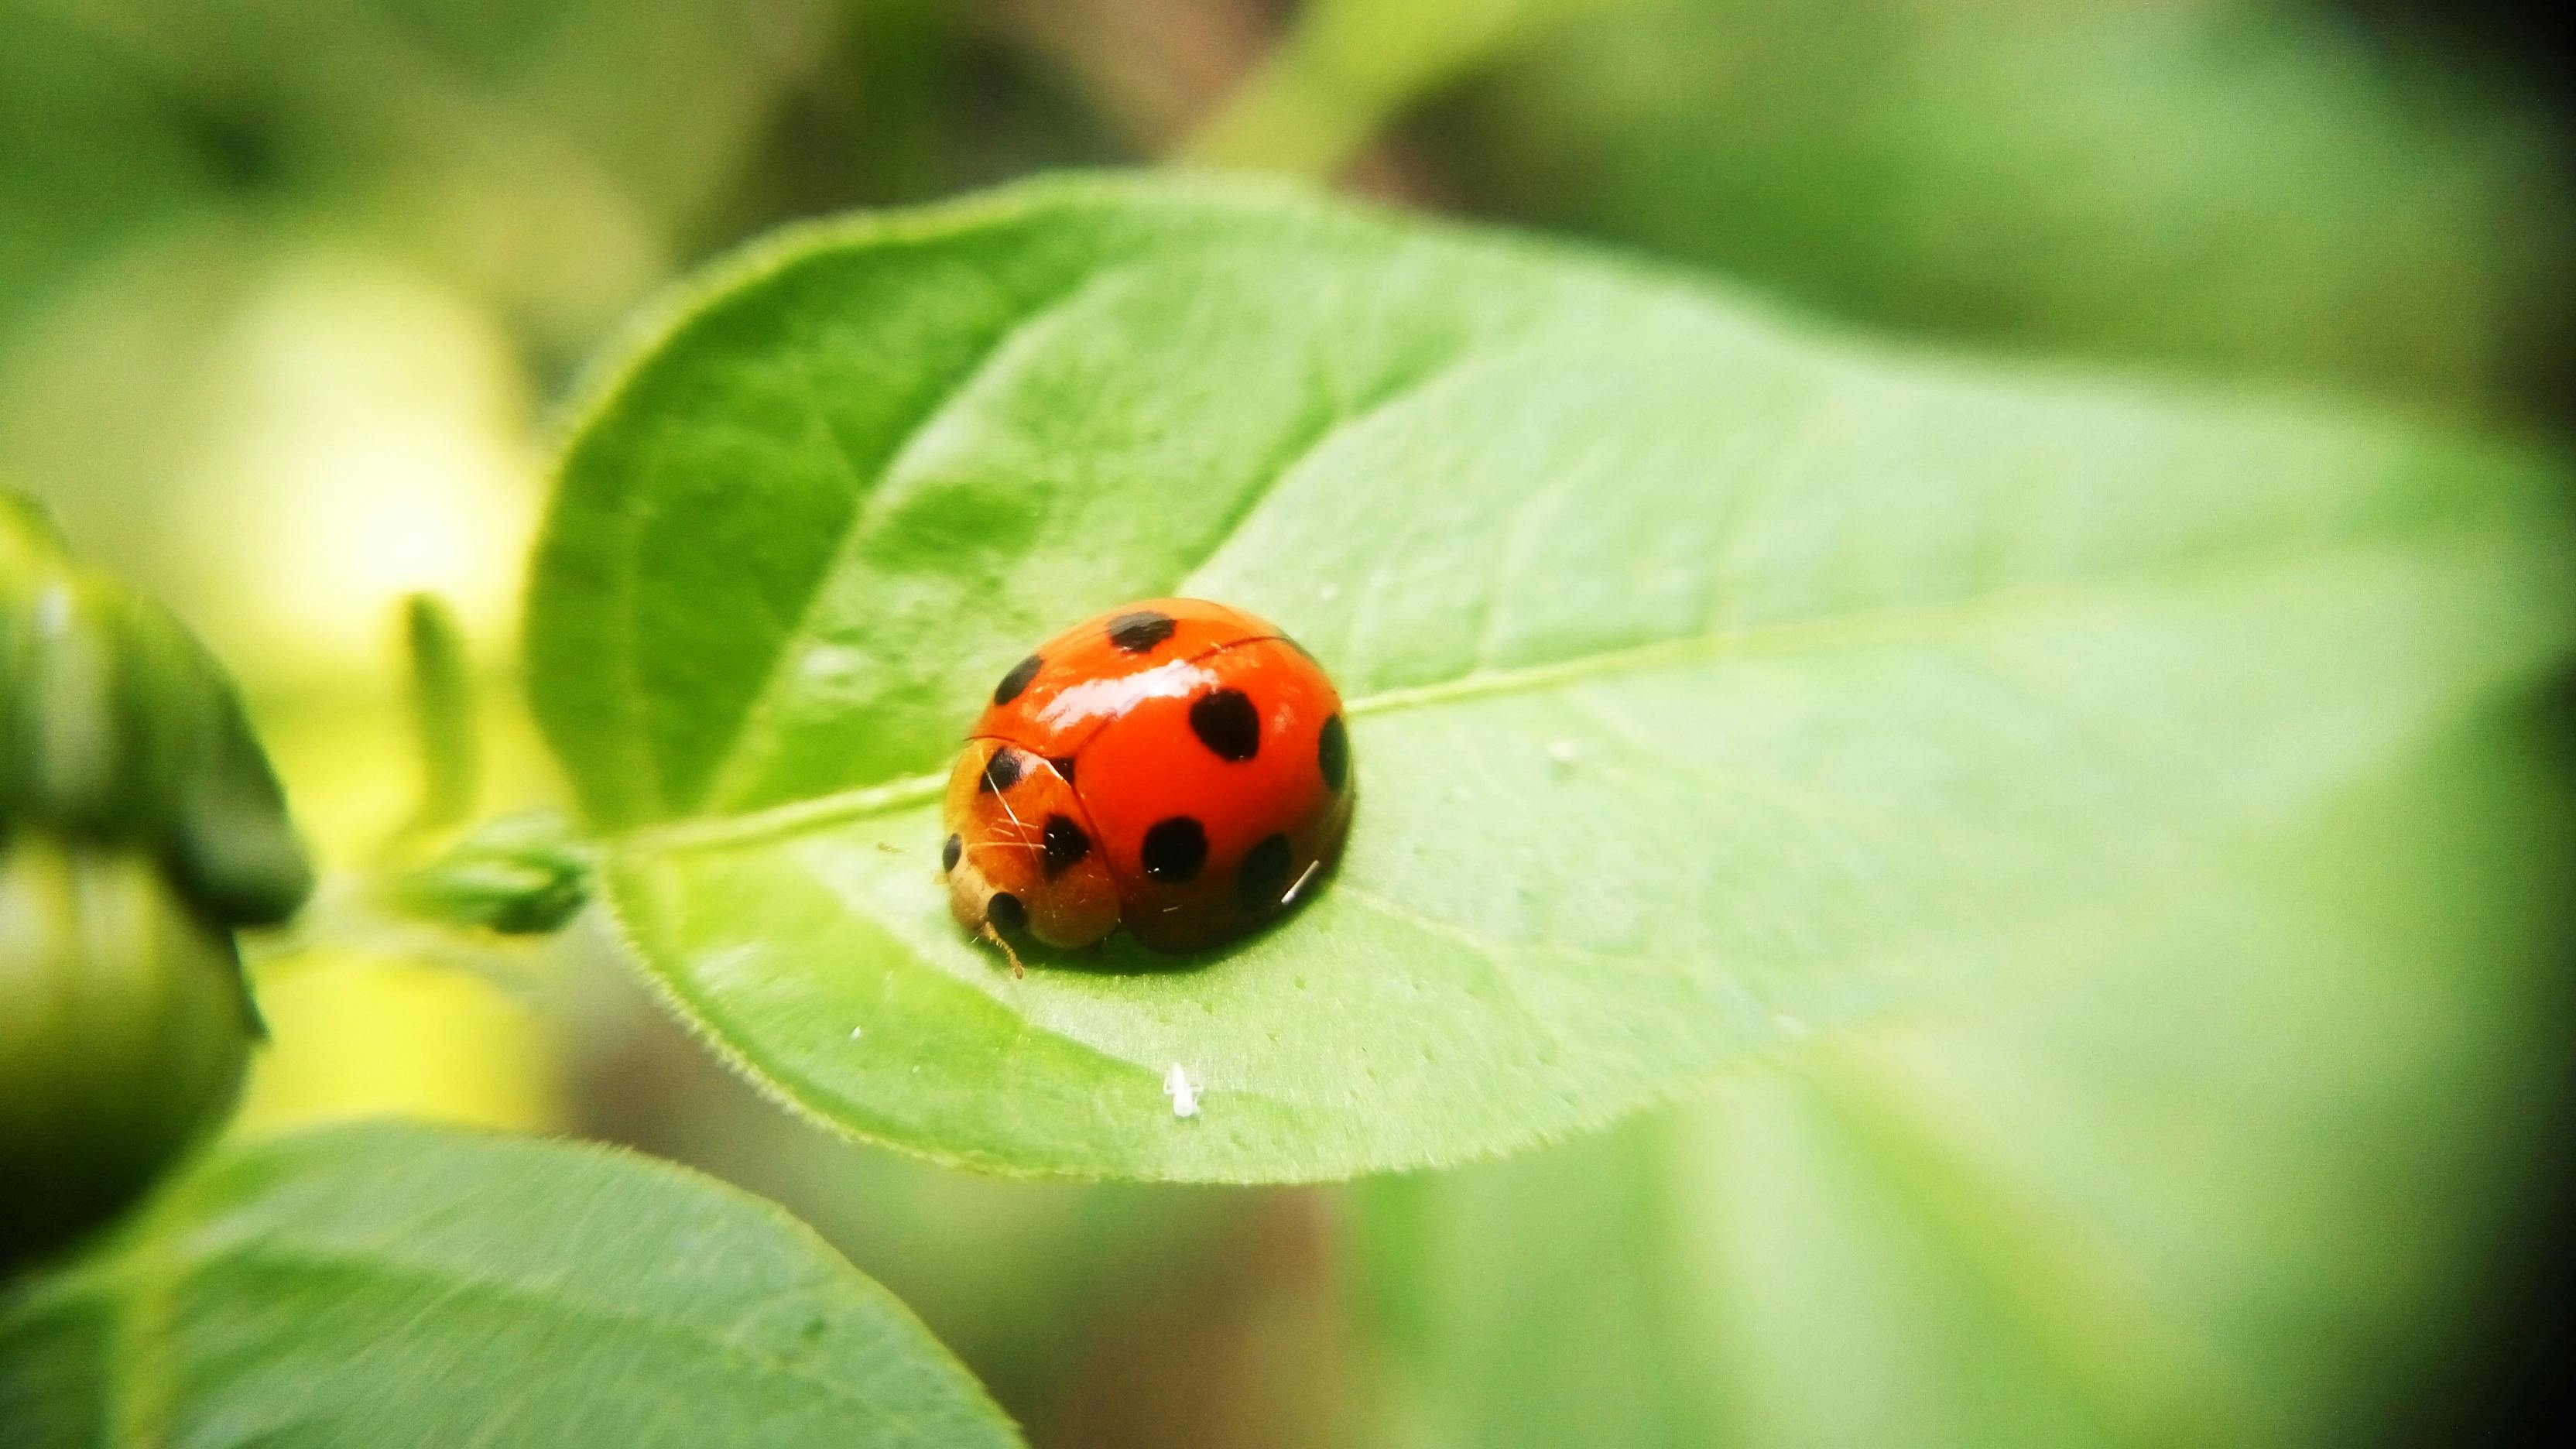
(1174, 766)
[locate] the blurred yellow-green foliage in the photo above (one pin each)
(287, 288)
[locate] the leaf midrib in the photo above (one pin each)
(1819, 634)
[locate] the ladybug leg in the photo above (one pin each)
(1303, 876)
(985, 930)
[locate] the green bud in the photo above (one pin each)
(519, 875)
(60, 730)
(216, 809)
(139, 825)
(124, 1027)
(116, 726)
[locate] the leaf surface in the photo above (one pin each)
(1715, 684)
(2260, 1174)
(391, 1285)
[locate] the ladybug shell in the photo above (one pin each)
(1174, 765)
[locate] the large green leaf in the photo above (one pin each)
(2244, 1179)
(392, 1286)
(1716, 686)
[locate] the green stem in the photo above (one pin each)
(1294, 114)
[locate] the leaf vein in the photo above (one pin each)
(1862, 628)
(1396, 395)
(748, 743)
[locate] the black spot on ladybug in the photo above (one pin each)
(1333, 753)
(1002, 771)
(1139, 632)
(1225, 721)
(1175, 848)
(1017, 680)
(1063, 767)
(1004, 910)
(949, 853)
(1065, 845)
(1263, 876)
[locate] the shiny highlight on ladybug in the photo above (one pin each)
(1174, 766)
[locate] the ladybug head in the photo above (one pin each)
(1019, 856)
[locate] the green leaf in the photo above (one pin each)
(523, 874)
(392, 1285)
(1716, 686)
(2242, 1178)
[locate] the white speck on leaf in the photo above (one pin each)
(856, 1031)
(828, 663)
(1564, 752)
(1183, 1092)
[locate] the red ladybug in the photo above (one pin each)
(1174, 765)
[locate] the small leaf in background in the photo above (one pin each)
(398, 1286)
(523, 874)
(1720, 687)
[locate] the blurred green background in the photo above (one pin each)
(289, 287)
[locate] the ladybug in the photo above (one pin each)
(1174, 766)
